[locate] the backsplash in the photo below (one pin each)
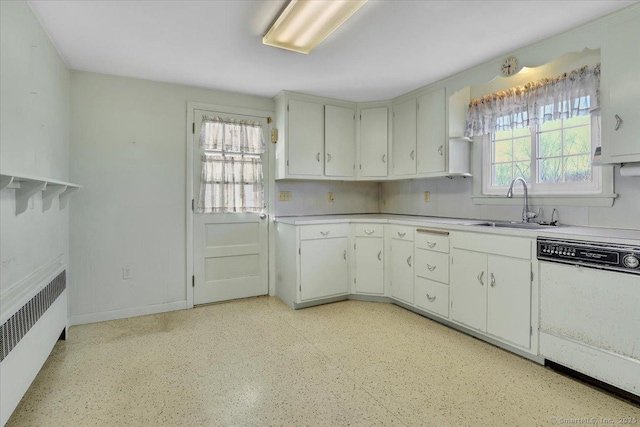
(452, 198)
(311, 197)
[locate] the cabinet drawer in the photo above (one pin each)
(435, 240)
(369, 230)
(323, 231)
(432, 265)
(401, 232)
(432, 296)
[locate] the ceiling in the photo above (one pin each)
(386, 49)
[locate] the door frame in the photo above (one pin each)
(269, 183)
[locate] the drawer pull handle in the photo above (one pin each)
(413, 154)
(618, 122)
(401, 234)
(325, 233)
(493, 280)
(432, 244)
(369, 232)
(440, 150)
(430, 298)
(328, 157)
(481, 278)
(380, 256)
(344, 254)
(409, 261)
(431, 267)
(318, 157)
(384, 158)
(438, 232)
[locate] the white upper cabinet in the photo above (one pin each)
(404, 138)
(374, 136)
(431, 132)
(620, 89)
(305, 134)
(317, 138)
(339, 141)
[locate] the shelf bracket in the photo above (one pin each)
(49, 193)
(27, 190)
(5, 181)
(64, 196)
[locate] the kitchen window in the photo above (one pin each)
(554, 157)
(545, 132)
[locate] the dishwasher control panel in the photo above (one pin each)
(590, 254)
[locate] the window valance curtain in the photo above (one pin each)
(231, 179)
(571, 94)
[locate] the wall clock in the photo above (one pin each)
(509, 66)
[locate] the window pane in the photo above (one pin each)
(522, 148)
(550, 144)
(550, 170)
(522, 169)
(502, 174)
(577, 168)
(551, 125)
(577, 140)
(577, 121)
(503, 134)
(503, 151)
(520, 132)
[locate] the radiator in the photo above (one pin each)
(26, 340)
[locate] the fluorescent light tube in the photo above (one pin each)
(304, 24)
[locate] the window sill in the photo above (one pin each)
(598, 200)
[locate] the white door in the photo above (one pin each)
(339, 141)
(404, 138)
(431, 132)
(373, 142)
(402, 270)
(323, 268)
(230, 250)
(369, 265)
(306, 138)
(469, 288)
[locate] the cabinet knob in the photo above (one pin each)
(618, 122)
(384, 158)
(431, 244)
(430, 298)
(431, 267)
(318, 157)
(380, 256)
(328, 157)
(401, 234)
(325, 233)
(481, 278)
(412, 154)
(440, 150)
(344, 254)
(493, 280)
(369, 232)
(409, 261)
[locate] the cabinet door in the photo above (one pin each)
(402, 270)
(323, 268)
(305, 138)
(369, 265)
(620, 65)
(509, 299)
(404, 138)
(339, 141)
(431, 132)
(374, 138)
(468, 288)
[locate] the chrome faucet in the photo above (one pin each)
(526, 215)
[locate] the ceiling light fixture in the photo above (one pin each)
(304, 24)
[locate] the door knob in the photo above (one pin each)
(263, 215)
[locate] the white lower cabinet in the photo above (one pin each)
(491, 292)
(401, 266)
(323, 268)
(432, 296)
(369, 265)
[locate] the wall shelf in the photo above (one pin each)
(27, 186)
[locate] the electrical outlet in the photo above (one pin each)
(330, 198)
(127, 272)
(427, 196)
(284, 196)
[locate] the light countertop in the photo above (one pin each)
(609, 235)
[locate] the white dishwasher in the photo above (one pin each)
(590, 309)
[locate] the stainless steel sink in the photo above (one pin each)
(506, 224)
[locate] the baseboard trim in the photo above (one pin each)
(126, 312)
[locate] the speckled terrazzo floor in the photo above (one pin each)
(255, 362)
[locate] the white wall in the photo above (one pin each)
(311, 198)
(34, 140)
(128, 150)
